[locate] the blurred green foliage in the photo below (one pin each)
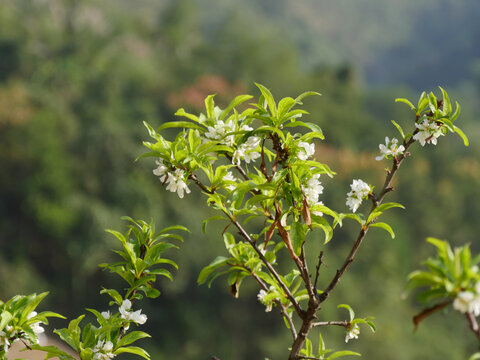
(77, 78)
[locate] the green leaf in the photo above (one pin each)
(181, 112)
(389, 205)
(133, 350)
(399, 128)
(405, 101)
(422, 103)
(206, 221)
(447, 105)
(475, 356)
(113, 294)
(462, 135)
(297, 233)
(308, 347)
(207, 270)
(350, 310)
(268, 98)
(444, 249)
(302, 96)
(322, 223)
(210, 106)
(311, 126)
(455, 115)
(132, 337)
(32, 305)
(52, 351)
(338, 354)
(180, 124)
(371, 325)
(385, 227)
(235, 102)
(162, 272)
(5, 318)
(284, 106)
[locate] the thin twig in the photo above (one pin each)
(363, 231)
(270, 268)
(429, 311)
(345, 324)
(239, 168)
(303, 267)
(200, 185)
(317, 270)
(472, 321)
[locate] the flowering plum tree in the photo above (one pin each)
(257, 168)
(277, 180)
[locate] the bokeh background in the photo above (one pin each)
(77, 78)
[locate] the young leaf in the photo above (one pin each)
(405, 101)
(210, 106)
(350, 310)
(133, 350)
(268, 98)
(399, 128)
(385, 227)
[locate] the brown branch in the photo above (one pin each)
(303, 267)
(200, 185)
(417, 319)
(317, 269)
(269, 266)
(239, 168)
(363, 231)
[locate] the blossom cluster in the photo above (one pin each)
(264, 298)
(428, 132)
(352, 332)
(126, 313)
(103, 350)
(247, 151)
(468, 302)
(9, 334)
(306, 150)
(359, 191)
(390, 149)
(175, 181)
(312, 190)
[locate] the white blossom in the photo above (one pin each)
(229, 177)
(176, 183)
(312, 191)
(306, 150)
(160, 170)
(428, 132)
(390, 149)
(462, 301)
(247, 151)
(103, 351)
(359, 190)
(4, 340)
(352, 333)
(467, 301)
(129, 315)
(106, 314)
(36, 328)
(262, 294)
(220, 130)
